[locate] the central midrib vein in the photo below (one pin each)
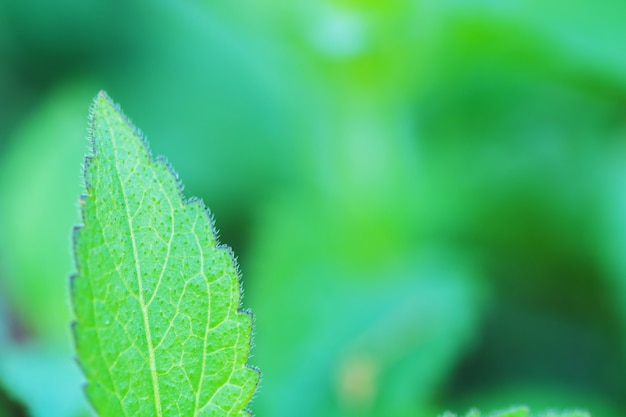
(142, 303)
(208, 321)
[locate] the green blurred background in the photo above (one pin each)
(427, 198)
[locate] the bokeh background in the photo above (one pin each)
(427, 198)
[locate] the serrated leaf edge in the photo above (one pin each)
(185, 201)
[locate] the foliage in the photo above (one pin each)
(455, 168)
(156, 299)
(523, 412)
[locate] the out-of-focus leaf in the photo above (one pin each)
(38, 208)
(540, 396)
(9, 407)
(511, 412)
(46, 380)
(525, 412)
(38, 185)
(575, 413)
(379, 332)
(158, 330)
(235, 106)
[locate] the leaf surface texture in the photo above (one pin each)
(158, 330)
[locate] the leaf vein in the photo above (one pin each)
(208, 319)
(144, 312)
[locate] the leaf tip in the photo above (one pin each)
(101, 100)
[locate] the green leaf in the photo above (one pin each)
(524, 412)
(158, 331)
(512, 412)
(574, 413)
